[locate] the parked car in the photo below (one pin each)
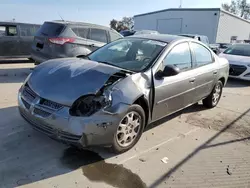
(238, 56)
(60, 39)
(110, 96)
(143, 32)
(223, 46)
(16, 39)
(126, 33)
(203, 39)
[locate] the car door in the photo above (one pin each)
(97, 38)
(174, 92)
(9, 41)
(27, 33)
(205, 69)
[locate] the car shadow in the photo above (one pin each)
(236, 83)
(194, 108)
(206, 145)
(28, 156)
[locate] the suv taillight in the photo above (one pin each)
(61, 41)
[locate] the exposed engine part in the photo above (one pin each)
(88, 105)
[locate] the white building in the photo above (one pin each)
(220, 26)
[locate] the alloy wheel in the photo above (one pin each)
(128, 129)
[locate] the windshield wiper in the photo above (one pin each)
(83, 57)
(107, 63)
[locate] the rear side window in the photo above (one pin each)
(98, 35)
(8, 30)
(2, 31)
(180, 57)
(80, 31)
(50, 29)
(28, 30)
(114, 36)
(202, 54)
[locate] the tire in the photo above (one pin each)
(210, 101)
(119, 145)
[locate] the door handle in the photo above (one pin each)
(192, 80)
(91, 45)
(215, 72)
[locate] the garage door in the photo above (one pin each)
(169, 26)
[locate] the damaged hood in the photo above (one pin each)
(65, 80)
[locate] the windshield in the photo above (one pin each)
(129, 53)
(239, 49)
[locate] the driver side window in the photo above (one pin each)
(179, 56)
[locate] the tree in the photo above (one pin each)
(238, 7)
(124, 24)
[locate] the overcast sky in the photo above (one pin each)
(94, 11)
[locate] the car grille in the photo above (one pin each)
(26, 104)
(41, 112)
(43, 107)
(236, 70)
(51, 104)
(28, 93)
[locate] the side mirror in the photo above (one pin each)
(169, 70)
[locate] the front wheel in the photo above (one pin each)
(213, 99)
(129, 129)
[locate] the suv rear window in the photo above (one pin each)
(50, 29)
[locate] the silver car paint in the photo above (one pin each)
(162, 97)
(239, 60)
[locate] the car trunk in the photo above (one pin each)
(41, 44)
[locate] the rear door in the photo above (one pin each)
(97, 38)
(27, 33)
(84, 45)
(9, 41)
(41, 42)
(206, 70)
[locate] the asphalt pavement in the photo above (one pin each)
(196, 147)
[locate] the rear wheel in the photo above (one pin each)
(129, 129)
(213, 99)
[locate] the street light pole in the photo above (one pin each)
(180, 4)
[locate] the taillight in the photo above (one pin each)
(61, 41)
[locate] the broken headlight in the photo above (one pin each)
(88, 105)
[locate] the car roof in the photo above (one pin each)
(17, 23)
(192, 35)
(79, 23)
(159, 37)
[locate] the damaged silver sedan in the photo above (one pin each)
(110, 96)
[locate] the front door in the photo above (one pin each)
(174, 92)
(9, 41)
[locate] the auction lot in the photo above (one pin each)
(196, 147)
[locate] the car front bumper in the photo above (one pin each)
(239, 71)
(96, 130)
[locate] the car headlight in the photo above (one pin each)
(88, 105)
